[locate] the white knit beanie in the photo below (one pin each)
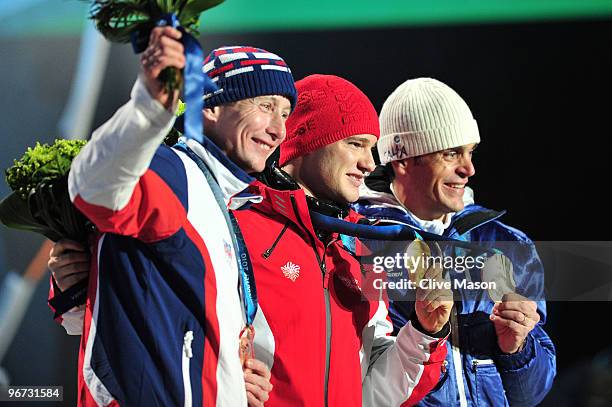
(422, 116)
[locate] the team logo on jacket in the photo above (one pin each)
(227, 248)
(291, 271)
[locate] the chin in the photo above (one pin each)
(259, 167)
(256, 166)
(455, 208)
(350, 198)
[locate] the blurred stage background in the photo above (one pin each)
(536, 74)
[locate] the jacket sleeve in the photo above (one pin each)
(528, 375)
(400, 370)
(72, 320)
(112, 181)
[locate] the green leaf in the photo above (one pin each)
(117, 19)
(181, 108)
(194, 8)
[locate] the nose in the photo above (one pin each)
(276, 127)
(366, 162)
(466, 167)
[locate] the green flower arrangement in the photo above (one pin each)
(173, 135)
(40, 201)
(181, 108)
(42, 163)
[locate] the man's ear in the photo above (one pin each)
(211, 114)
(401, 167)
(293, 167)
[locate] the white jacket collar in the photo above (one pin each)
(233, 180)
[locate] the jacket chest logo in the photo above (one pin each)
(291, 271)
(227, 249)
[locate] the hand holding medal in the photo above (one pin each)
(514, 317)
(256, 373)
(434, 298)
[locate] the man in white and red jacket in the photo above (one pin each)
(164, 310)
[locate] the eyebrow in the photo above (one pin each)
(460, 149)
(364, 140)
(271, 99)
(357, 138)
(265, 97)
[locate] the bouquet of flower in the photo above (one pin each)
(40, 201)
(132, 20)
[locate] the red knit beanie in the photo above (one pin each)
(328, 109)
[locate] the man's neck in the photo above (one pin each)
(316, 203)
(402, 198)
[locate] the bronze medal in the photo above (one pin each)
(246, 349)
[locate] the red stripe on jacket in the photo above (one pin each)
(143, 218)
(212, 334)
(85, 399)
(431, 373)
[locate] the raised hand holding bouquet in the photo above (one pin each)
(126, 21)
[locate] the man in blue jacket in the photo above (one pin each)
(499, 353)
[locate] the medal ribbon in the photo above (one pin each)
(245, 268)
(196, 83)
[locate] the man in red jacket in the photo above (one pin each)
(313, 321)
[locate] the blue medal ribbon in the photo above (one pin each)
(245, 268)
(196, 83)
(391, 232)
(247, 277)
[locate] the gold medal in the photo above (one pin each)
(418, 252)
(246, 349)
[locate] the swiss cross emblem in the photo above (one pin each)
(291, 271)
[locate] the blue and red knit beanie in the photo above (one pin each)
(245, 72)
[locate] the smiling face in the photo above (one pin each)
(335, 172)
(433, 185)
(249, 130)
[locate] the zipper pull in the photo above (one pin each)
(325, 275)
(187, 344)
(444, 367)
(474, 365)
(269, 251)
